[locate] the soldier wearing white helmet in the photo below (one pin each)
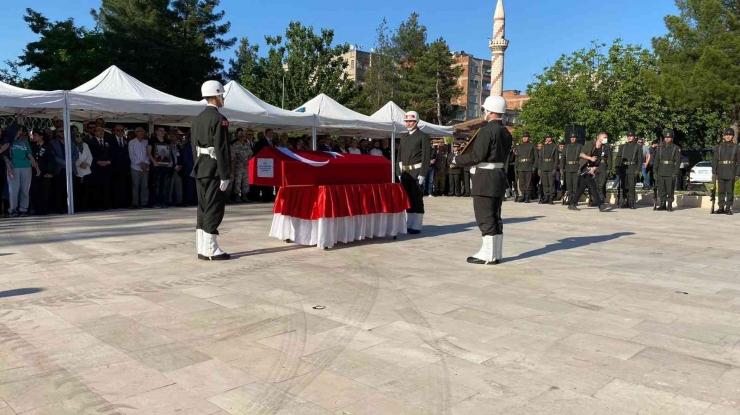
(414, 154)
(211, 171)
(488, 156)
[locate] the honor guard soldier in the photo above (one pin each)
(490, 157)
(211, 171)
(604, 156)
(667, 167)
(526, 160)
(725, 167)
(570, 165)
(414, 153)
(548, 159)
(629, 165)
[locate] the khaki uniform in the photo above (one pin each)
(243, 153)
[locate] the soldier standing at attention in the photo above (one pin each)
(211, 171)
(243, 150)
(547, 161)
(667, 167)
(629, 165)
(725, 167)
(570, 165)
(526, 160)
(604, 156)
(414, 154)
(489, 157)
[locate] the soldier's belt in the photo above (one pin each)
(727, 162)
(547, 160)
(667, 162)
(572, 162)
(206, 151)
(523, 160)
(414, 167)
(629, 163)
(486, 166)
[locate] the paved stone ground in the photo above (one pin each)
(625, 312)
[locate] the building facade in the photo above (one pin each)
(358, 62)
(475, 82)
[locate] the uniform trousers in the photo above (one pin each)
(488, 215)
(456, 184)
(211, 204)
(628, 181)
(41, 194)
(726, 194)
(572, 179)
(548, 183)
(440, 178)
(466, 183)
(410, 183)
(601, 177)
(241, 182)
(666, 186)
(589, 182)
(525, 183)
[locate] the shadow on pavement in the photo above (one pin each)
(20, 291)
(569, 243)
(264, 251)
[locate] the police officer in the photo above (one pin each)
(414, 154)
(548, 159)
(604, 156)
(243, 151)
(570, 165)
(667, 168)
(526, 160)
(629, 165)
(211, 171)
(725, 167)
(490, 157)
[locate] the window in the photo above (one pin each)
(473, 69)
(460, 115)
(487, 69)
(472, 114)
(487, 87)
(473, 99)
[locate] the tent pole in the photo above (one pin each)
(68, 157)
(151, 127)
(313, 137)
(393, 155)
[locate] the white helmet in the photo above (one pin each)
(411, 116)
(495, 104)
(212, 89)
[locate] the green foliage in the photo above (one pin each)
(12, 75)
(64, 57)
(381, 79)
(698, 57)
(167, 43)
(242, 67)
(435, 83)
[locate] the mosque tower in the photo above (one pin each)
(498, 45)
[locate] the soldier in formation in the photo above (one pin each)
(667, 167)
(629, 166)
(526, 160)
(570, 165)
(548, 158)
(725, 168)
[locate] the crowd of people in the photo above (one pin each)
(115, 167)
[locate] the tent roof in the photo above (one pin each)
(27, 102)
(242, 108)
(393, 113)
(116, 94)
(334, 118)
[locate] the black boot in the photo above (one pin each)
(550, 201)
(527, 199)
(573, 207)
(602, 207)
(670, 207)
(662, 206)
(632, 205)
(728, 211)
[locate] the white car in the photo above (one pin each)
(701, 173)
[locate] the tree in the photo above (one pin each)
(12, 75)
(242, 68)
(167, 44)
(64, 57)
(435, 81)
(381, 79)
(699, 58)
(409, 45)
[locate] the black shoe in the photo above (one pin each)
(720, 211)
(573, 207)
(413, 231)
(136, 207)
(550, 201)
(661, 207)
(670, 207)
(632, 206)
(527, 200)
(202, 257)
(625, 206)
(602, 207)
(728, 211)
(222, 257)
(476, 261)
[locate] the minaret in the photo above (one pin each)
(498, 45)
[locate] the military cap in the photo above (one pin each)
(549, 134)
(561, 143)
(668, 133)
(729, 131)
(574, 134)
(526, 134)
(631, 133)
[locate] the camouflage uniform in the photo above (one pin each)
(241, 171)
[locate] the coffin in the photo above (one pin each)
(282, 167)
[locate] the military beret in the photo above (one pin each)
(548, 135)
(668, 133)
(631, 133)
(729, 131)
(526, 134)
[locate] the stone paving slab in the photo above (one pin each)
(623, 312)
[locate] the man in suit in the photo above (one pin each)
(102, 170)
(121, 170)
(263, 193)
(212, 170)
(490, 158)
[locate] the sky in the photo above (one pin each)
(539, 31)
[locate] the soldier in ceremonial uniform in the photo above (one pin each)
(604, 155)
(548, 159)
(629, 165)
(667, 167)
(490, 158)
(725, 167)
(212, 170)
(526, 160)
(570, 161)
(414, 154)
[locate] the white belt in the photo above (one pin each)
(206, 151)
(407, 168)
(486, 166)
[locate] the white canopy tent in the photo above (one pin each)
(393, 113)
(27, 102)
(115, 94)
(242, 108)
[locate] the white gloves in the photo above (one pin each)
(421, 180)
(224, 185)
